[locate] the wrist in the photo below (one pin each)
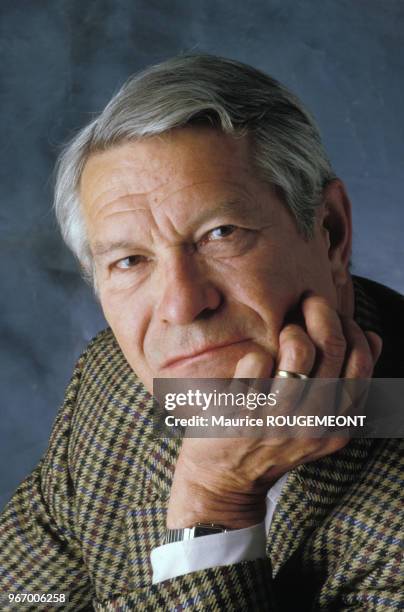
(190, 506)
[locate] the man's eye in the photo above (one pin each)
(130, 262)
(227, 241)
(220, 232)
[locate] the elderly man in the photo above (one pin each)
(202, 206)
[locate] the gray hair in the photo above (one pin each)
(199, 88)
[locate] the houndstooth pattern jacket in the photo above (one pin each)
(87, 518)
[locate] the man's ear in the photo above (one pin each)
(336, 225)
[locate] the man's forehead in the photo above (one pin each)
(145, 173)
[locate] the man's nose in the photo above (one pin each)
(186, 294)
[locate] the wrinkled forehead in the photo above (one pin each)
(151, 167)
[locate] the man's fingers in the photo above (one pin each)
(296, 354)
(256, 364)
(325, 331)
(296, 351)
(359, 360)
(375, 344)
(364, 351)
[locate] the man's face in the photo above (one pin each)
(197, 260)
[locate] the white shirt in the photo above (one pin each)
(179, 558)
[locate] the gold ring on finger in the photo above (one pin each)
(287, 374)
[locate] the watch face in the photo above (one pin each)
(201, 530)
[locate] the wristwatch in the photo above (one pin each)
(189, 533)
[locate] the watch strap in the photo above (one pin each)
(189, 533)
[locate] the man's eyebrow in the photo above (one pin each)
(102, 248)
(241, 208)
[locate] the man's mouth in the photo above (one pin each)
(204, 353)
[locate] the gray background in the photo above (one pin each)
(62, 60)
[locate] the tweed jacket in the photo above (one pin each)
(87, 518)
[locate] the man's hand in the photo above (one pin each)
(225, 480)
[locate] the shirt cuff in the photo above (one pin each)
(179, 558)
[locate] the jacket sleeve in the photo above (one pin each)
(38, 548)
(246, 586)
